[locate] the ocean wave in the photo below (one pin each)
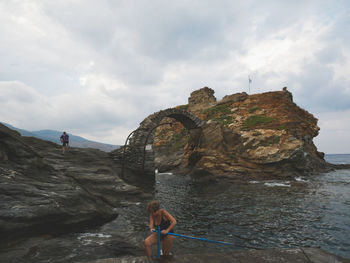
(300, 179)
(254, 182)
(279, 184)
(93, 238)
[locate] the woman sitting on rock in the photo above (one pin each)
(166, 222)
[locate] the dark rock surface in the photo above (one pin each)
(277, 255)
(45, 192)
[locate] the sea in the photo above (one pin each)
(310, 211)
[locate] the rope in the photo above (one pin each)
(201, 239)
(158, 241)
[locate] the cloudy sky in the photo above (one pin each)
(97, 68)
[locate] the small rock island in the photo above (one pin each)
(263, 134)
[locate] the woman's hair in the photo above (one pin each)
(152, 206)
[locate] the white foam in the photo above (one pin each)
(99, 235)
(165, 173)
(254, 182)
(273, 184)
(93, 238)
(299, 179)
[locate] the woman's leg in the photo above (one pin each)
(149, 242)
(167, 244)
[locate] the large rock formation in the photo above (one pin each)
(255, 135)
(44, 192)
(198, 98)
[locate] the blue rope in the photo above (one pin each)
(196, 238)
(158, 241)
(201, 239)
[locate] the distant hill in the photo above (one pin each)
(54, 136)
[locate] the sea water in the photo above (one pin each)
(310, 211)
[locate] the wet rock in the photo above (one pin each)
(45, 192)
(274, 255)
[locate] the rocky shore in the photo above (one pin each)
(43, 192)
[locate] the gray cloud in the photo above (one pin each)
(108, 64)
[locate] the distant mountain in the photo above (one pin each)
(54, 136)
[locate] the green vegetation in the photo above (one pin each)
(255, 120)
(183, 107)
(223, 120)
(282, 127)
(219, 113)
(251, 110)
(222, 109)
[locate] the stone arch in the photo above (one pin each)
(140, 161)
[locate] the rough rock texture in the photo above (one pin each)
(167, 158)
(44, 192)
(272, 255)
(198, 98)
(260, 134)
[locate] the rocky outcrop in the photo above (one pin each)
(256, 135)
(198, 98)
(233, 98)
(44, 192)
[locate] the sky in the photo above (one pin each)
(97, 68)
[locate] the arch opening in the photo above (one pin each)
(138, 163)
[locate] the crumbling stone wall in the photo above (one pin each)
(201, 98)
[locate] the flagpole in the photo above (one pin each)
(249, 81)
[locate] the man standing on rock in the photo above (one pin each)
(65, 141)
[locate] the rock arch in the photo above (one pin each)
(138, 160)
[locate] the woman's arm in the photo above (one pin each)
(151, 225)
(171, 219)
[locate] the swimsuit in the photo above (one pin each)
(164, 224)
